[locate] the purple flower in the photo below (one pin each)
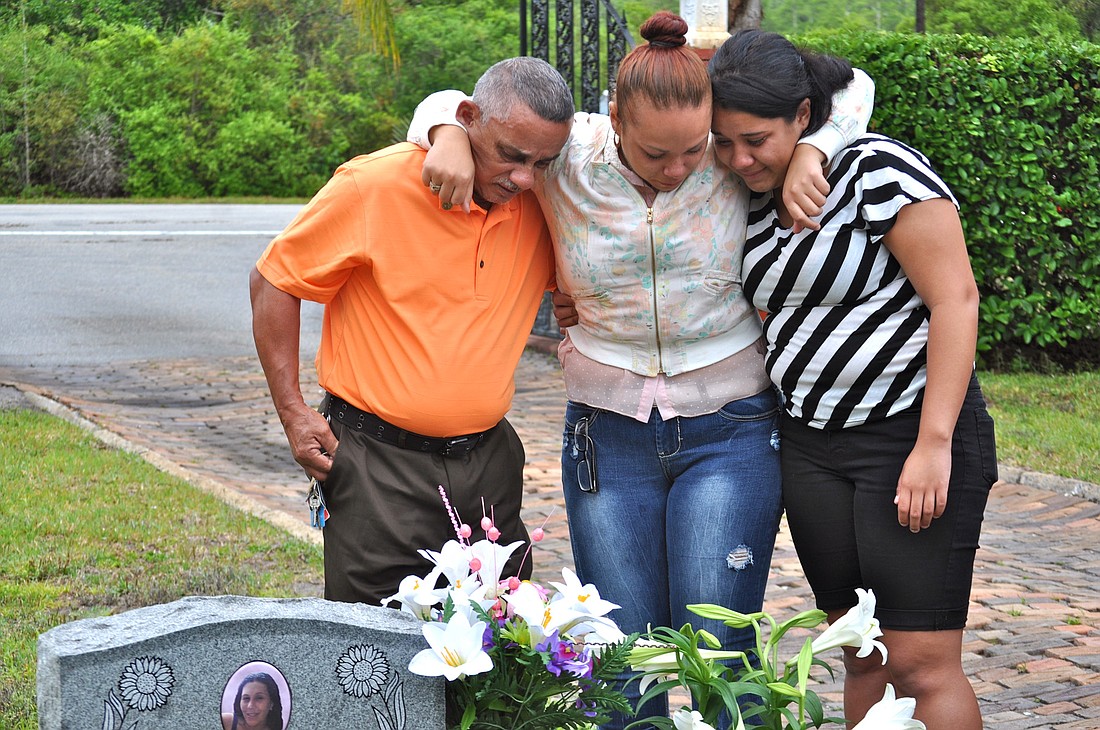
(487, 642)
(562, 656)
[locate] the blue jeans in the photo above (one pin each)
(684, 511)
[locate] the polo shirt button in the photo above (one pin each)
(482, 264)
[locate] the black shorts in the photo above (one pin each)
(838, 490)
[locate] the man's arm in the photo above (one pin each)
(276, 328)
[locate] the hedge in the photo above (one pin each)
(1013, 126)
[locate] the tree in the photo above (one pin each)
(1022, 18)
(802, 16)
(744, 14)
(82, 18)
(1088, 15)
(453, 43)
(376, 16)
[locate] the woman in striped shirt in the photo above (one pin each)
(871, 321)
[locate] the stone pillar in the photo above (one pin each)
(708, 23)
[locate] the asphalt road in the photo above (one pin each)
(83, 284)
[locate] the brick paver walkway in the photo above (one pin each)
(1032, 648)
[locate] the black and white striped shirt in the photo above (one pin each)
(847, 333)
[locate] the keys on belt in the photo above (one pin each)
(318, 512)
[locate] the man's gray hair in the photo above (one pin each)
(530, 81)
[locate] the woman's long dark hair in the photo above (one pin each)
(274, 719)
(763, 74)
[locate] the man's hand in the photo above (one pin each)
(565, 311)
(311, 441)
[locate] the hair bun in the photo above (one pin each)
(665, 29)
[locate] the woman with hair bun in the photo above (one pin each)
(871, 322)
(670, 462)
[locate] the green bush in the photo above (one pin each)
(257, 154)
(42, 93)
(1012, 126)
(209, 110)
(164, 154)
(447, 45)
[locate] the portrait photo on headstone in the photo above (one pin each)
(256, 697)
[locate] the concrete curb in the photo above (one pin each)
(1062, 485)
(210, 486)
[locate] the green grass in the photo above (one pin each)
(86, 530)
(1047, 423)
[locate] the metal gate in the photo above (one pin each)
(588, 69)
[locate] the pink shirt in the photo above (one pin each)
(694, 393)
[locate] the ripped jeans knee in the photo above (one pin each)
(739, 558)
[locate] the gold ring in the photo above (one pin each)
(446, 206)
(434, 188)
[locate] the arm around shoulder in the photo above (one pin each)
(805, 187)
(851, 113)
(449, 166)
(435, 110)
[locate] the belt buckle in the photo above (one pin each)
(460, 446)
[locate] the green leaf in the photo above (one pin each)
(782, 688)
(468, 716)
(805, 661)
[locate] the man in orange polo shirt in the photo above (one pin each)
(427, 310)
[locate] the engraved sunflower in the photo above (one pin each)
(362, 670)
(146, 683)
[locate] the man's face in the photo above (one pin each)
(508, 153)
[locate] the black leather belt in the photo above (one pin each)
(340, 410)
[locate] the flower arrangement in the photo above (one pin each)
(515, 654)
(756, 688)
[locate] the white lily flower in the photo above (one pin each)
(542, 617)
(594, 629)
(471, 593)
(455, 649)
(857, 628)
(417, 595)
(685, 719)
(452, 560)
(493, 557)
(890, 713)
(590, 611)
(584, 598)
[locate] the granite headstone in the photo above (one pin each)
(181, 665)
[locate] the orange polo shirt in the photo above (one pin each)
(426, 311)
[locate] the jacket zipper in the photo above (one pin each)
(653, 270)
